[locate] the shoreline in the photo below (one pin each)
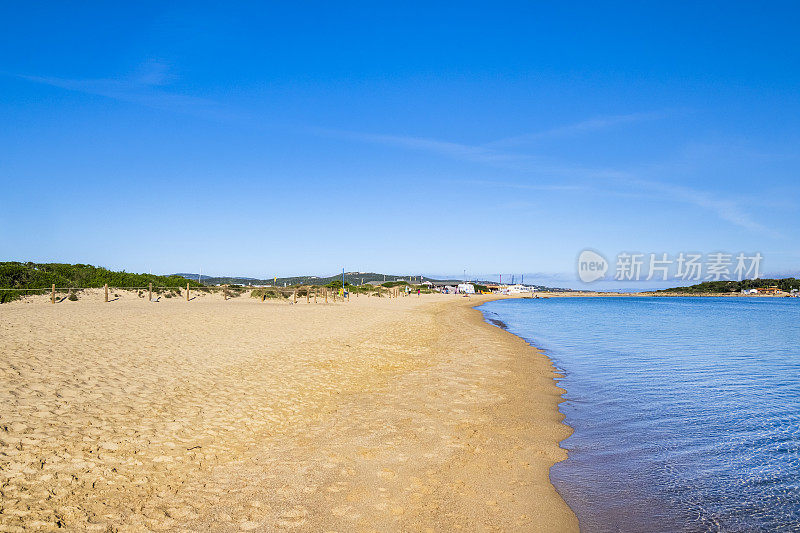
(589, 294)
(556, 375)
(387, 414)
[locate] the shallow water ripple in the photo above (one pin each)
(686, 410)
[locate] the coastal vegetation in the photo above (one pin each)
(724, 287)
(18, 275)
(355, 279)
(269, 292)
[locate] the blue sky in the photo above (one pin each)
(272, 140)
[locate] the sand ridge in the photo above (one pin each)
(372, 415)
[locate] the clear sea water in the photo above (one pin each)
(686, 411)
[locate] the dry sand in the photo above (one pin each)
(409, 414)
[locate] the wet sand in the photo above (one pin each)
(408, 414)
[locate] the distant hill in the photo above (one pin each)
(354, 278)
(19, 275)
(545, 288)
(723, 287)
(16, 275)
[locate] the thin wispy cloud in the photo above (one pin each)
(146, 87)
(590, 125)
(453, 150)
(727, 209)
(154, 72)
(554, 187)
(587, 180)
(625, 185)
(472, 153)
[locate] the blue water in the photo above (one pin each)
(686, 411)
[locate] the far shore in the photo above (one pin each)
(403, 414)
(559, 294)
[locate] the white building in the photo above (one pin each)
(466, 288)
(515, 289)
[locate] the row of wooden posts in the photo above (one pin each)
(394, 292)
(149, 292)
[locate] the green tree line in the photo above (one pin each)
(17, 275)
(718, 287)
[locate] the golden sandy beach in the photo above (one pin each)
(407, 414)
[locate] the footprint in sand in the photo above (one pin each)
(387, 473)
(341, 510)
(294, 517)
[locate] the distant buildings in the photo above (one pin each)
(515, 289)
(466, 288)
(763, 290)
(768, 290)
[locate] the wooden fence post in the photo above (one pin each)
(308, 295)
(315, 295)
(326, 294)
(225, 292)
(53, 294)
(187, 292)
(150, 292)
(105, 287)
(294, 296)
